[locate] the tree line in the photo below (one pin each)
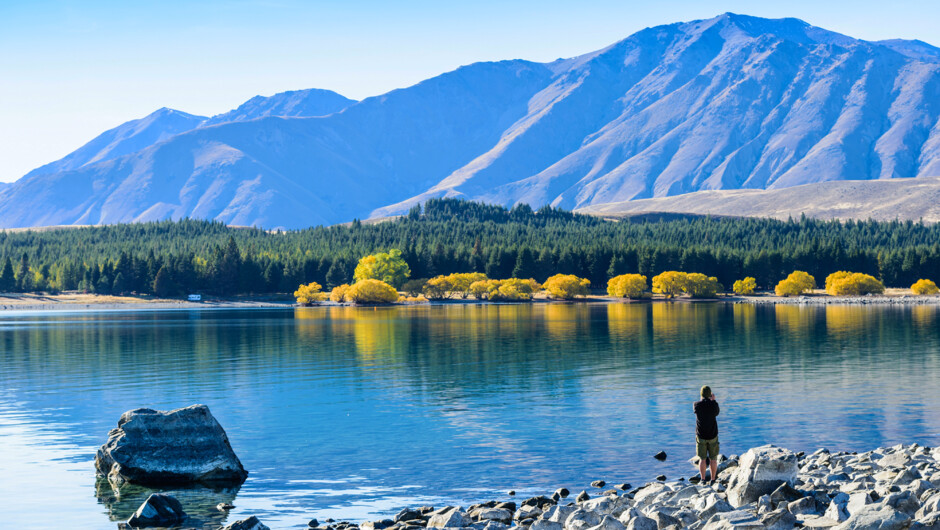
(446, 236)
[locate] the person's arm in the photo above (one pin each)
(717, 408)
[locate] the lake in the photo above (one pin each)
(354, 413)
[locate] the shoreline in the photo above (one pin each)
(92, 302)
(891, 488)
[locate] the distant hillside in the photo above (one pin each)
(732, 102)
(882, 200)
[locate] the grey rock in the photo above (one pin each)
(857, 501)
(660, 456)
(583, 496)
(406, 514)
(598, 484)
(710, 505)
(837, 512)
(664, 520)
(930, 505)
(785, 492)
(761, 470)
(929, 522)
(608, 523)
(449, 518)
(541, 502)
(623, 487)
(661, 478)
(563, 492)
(313, 523)
(559, 514)
(154, 448)
(778, 520)
(252, 523)
(582, 519)
(225, 506)
(543, 524)
(509, 505)
(875, 517)
(641, 523)
(527, 512)
(511, 493)
(158, 510)
(376, 525)
(804, 506)
(905, 502)
(492, 514)
(737, 519)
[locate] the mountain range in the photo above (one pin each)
(732, 102)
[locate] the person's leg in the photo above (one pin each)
(701, 468)
(714, 469)
(713, 455)
(702, 452)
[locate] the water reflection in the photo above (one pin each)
(354, 412)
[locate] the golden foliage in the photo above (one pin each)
(309, 294)
(388, 267)
(670, 283)
(371, 291)
(854, 283)
(924, 287)
(745, 287)
(627, 286)
(700, 286)
(338, 294)
(566, 286)
(511, 289)
(458, 283)
(797, 283)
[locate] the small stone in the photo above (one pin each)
(252, 523)
(511, 493)
(661, 478)
(224, 507)
(608, 493)
(563, 492)
(158, 510)
(583, 496)
(660, 455)
(623, 487)
(598, 484)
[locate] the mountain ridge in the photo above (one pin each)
(723, 103)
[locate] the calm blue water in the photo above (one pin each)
(355, 412)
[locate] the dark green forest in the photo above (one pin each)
(447, 235)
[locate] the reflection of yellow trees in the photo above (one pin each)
(374, 330)
(793, 318)
(924, 315)
(846, 319)
(627, 321)
(674, 320)
(563, 320)
(745, 317)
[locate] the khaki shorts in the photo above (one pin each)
(707, 448)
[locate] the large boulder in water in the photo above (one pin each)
(760, 472)
(155, 448)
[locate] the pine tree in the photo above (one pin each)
(162, 283)
(120, 284)
(336, 275)
(7, 278)
(24, 280)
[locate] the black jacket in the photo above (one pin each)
(706, 426)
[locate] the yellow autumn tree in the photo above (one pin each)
(924, 287)
(338, 294)
(700, 286)
(309, 294)
(453, 284)
(513, 289)
(797, 283)
(834, 277)
(388, 267)
(566, 286)
(670, 283)
(745, 287)
(371, 291)
(627, 286)
(855, 283)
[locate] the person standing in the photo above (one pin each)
(706, 433)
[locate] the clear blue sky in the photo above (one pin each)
(72, 69)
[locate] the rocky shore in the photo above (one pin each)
(893, 488)
(902, 300)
